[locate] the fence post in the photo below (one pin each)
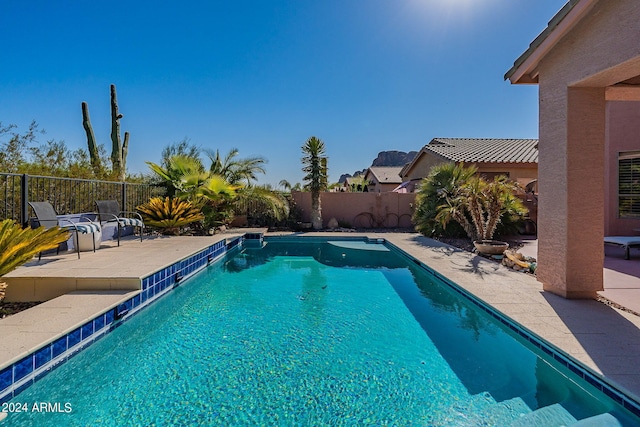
(24, 199)
(124, 197)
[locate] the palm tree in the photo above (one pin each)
(180, 175)
(315, 166)
(453, 192)
(235, 170)
(441, 185)
(285, 184)
(187, 179)
(262, 203)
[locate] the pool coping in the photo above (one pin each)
(63, 326)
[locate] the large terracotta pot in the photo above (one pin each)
(490, 247)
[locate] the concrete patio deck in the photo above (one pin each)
(80, 289)
(602, 337)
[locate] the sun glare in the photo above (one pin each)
(445, 12)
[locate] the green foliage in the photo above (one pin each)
(169, 215)
(222, 189)
(235, 170)
(186, 178)
(18, 245)
(262, 204)
(285, 184)
(183, 148)
(358, 184)
(441, 183)
(181, 175)
(24, 153)
(454, 193)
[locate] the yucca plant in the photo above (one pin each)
(18, 245)
(170, 215)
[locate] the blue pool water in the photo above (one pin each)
(316, 333)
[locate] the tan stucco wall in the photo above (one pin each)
(521, 173)
(422, 166)
(623, 134)
(378, 187)
(361, 210)
(572, 144)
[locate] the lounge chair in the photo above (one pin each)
(46, 216)
(626, 242)
(109, 211)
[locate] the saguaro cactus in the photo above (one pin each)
(96, 164)
(118, 149)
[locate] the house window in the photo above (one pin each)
(629, 184)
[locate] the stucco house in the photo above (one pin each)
(383, 178)
(515, 158)
(586, 64)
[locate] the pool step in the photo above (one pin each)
(602, 420)
(482, 409)
(552, 415)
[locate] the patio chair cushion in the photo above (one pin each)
(47, 217)
(83, 228)
(130, 221)
(109, 211)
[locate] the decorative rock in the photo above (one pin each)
(332, 224)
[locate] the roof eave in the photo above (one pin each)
(525, 68)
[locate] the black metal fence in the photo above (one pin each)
(67, 195)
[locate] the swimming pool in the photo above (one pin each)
(313, 332)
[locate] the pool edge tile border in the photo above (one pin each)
(617, 393)
(21, 374)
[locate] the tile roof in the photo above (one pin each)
(386, 174)
(484, 150)
(525, 69)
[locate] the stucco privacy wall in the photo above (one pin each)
(623, 134)
(361, 210)
(601, 50)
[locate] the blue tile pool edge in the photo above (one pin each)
(624, 398)
(19, 375)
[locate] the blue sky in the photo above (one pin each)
(263, 76)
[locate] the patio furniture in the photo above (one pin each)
(626, 242)
(109, 211)
(47, 217)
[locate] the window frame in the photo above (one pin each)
(632, 158)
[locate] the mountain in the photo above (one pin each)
(393, 158)
(385, 158)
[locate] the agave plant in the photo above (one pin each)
(18, 245)
(170, 215)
